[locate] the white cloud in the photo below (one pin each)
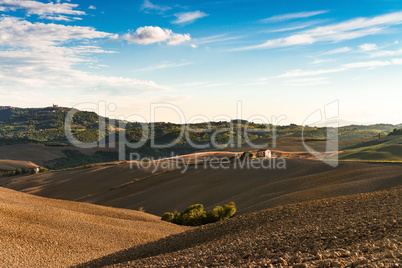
(258, 82)
(215, 39)
(201, 84)
(347, 30)
(188, 17)
(338, 50)
(59, 18)
(92, 7)
(288, 29)
(368, 47)
(370, 64)
(53, 69)
(314, 81)
(15, 32)
(319, 61)
(150, 35)
(342, 68)
(37, 55)
(301, 73)
(194, 46)
(291, 16)
(176, 39)
(383, 53)
(39, 8)
(163, 65)
(147, 5)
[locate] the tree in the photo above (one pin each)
(195, 215)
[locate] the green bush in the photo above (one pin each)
(168, 217)
(396, 132)
(195, 215)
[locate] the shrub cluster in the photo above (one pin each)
(195, 215)
(396, 132)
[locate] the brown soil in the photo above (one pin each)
(14, 164)
(362, 230)
(168, 189)
(41, 232)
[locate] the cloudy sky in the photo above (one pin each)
(278, 57)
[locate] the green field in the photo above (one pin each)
(385, 149)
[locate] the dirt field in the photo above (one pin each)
(355, 231)
(31, 152)
(41, 232)
(170, 189)
(14, 164)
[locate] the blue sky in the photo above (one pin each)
(276, 57)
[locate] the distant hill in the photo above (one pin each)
(388, 148)
(46, 126)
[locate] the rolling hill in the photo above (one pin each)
(385, 149)
(22, 128)
(42, 232)
(13, 165)
(355, 231)
(169, 188)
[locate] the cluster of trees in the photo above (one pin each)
(47, 125)
(396, 132)
(195, 215)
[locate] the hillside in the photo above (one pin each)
(41, 232)
(44, 127)
(170, 189)
(385, 149)
(355, 231)
(13, 165)
(22, 125)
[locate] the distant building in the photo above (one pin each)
(55, 106)
(264, 153)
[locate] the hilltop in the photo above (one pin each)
(29, 125)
